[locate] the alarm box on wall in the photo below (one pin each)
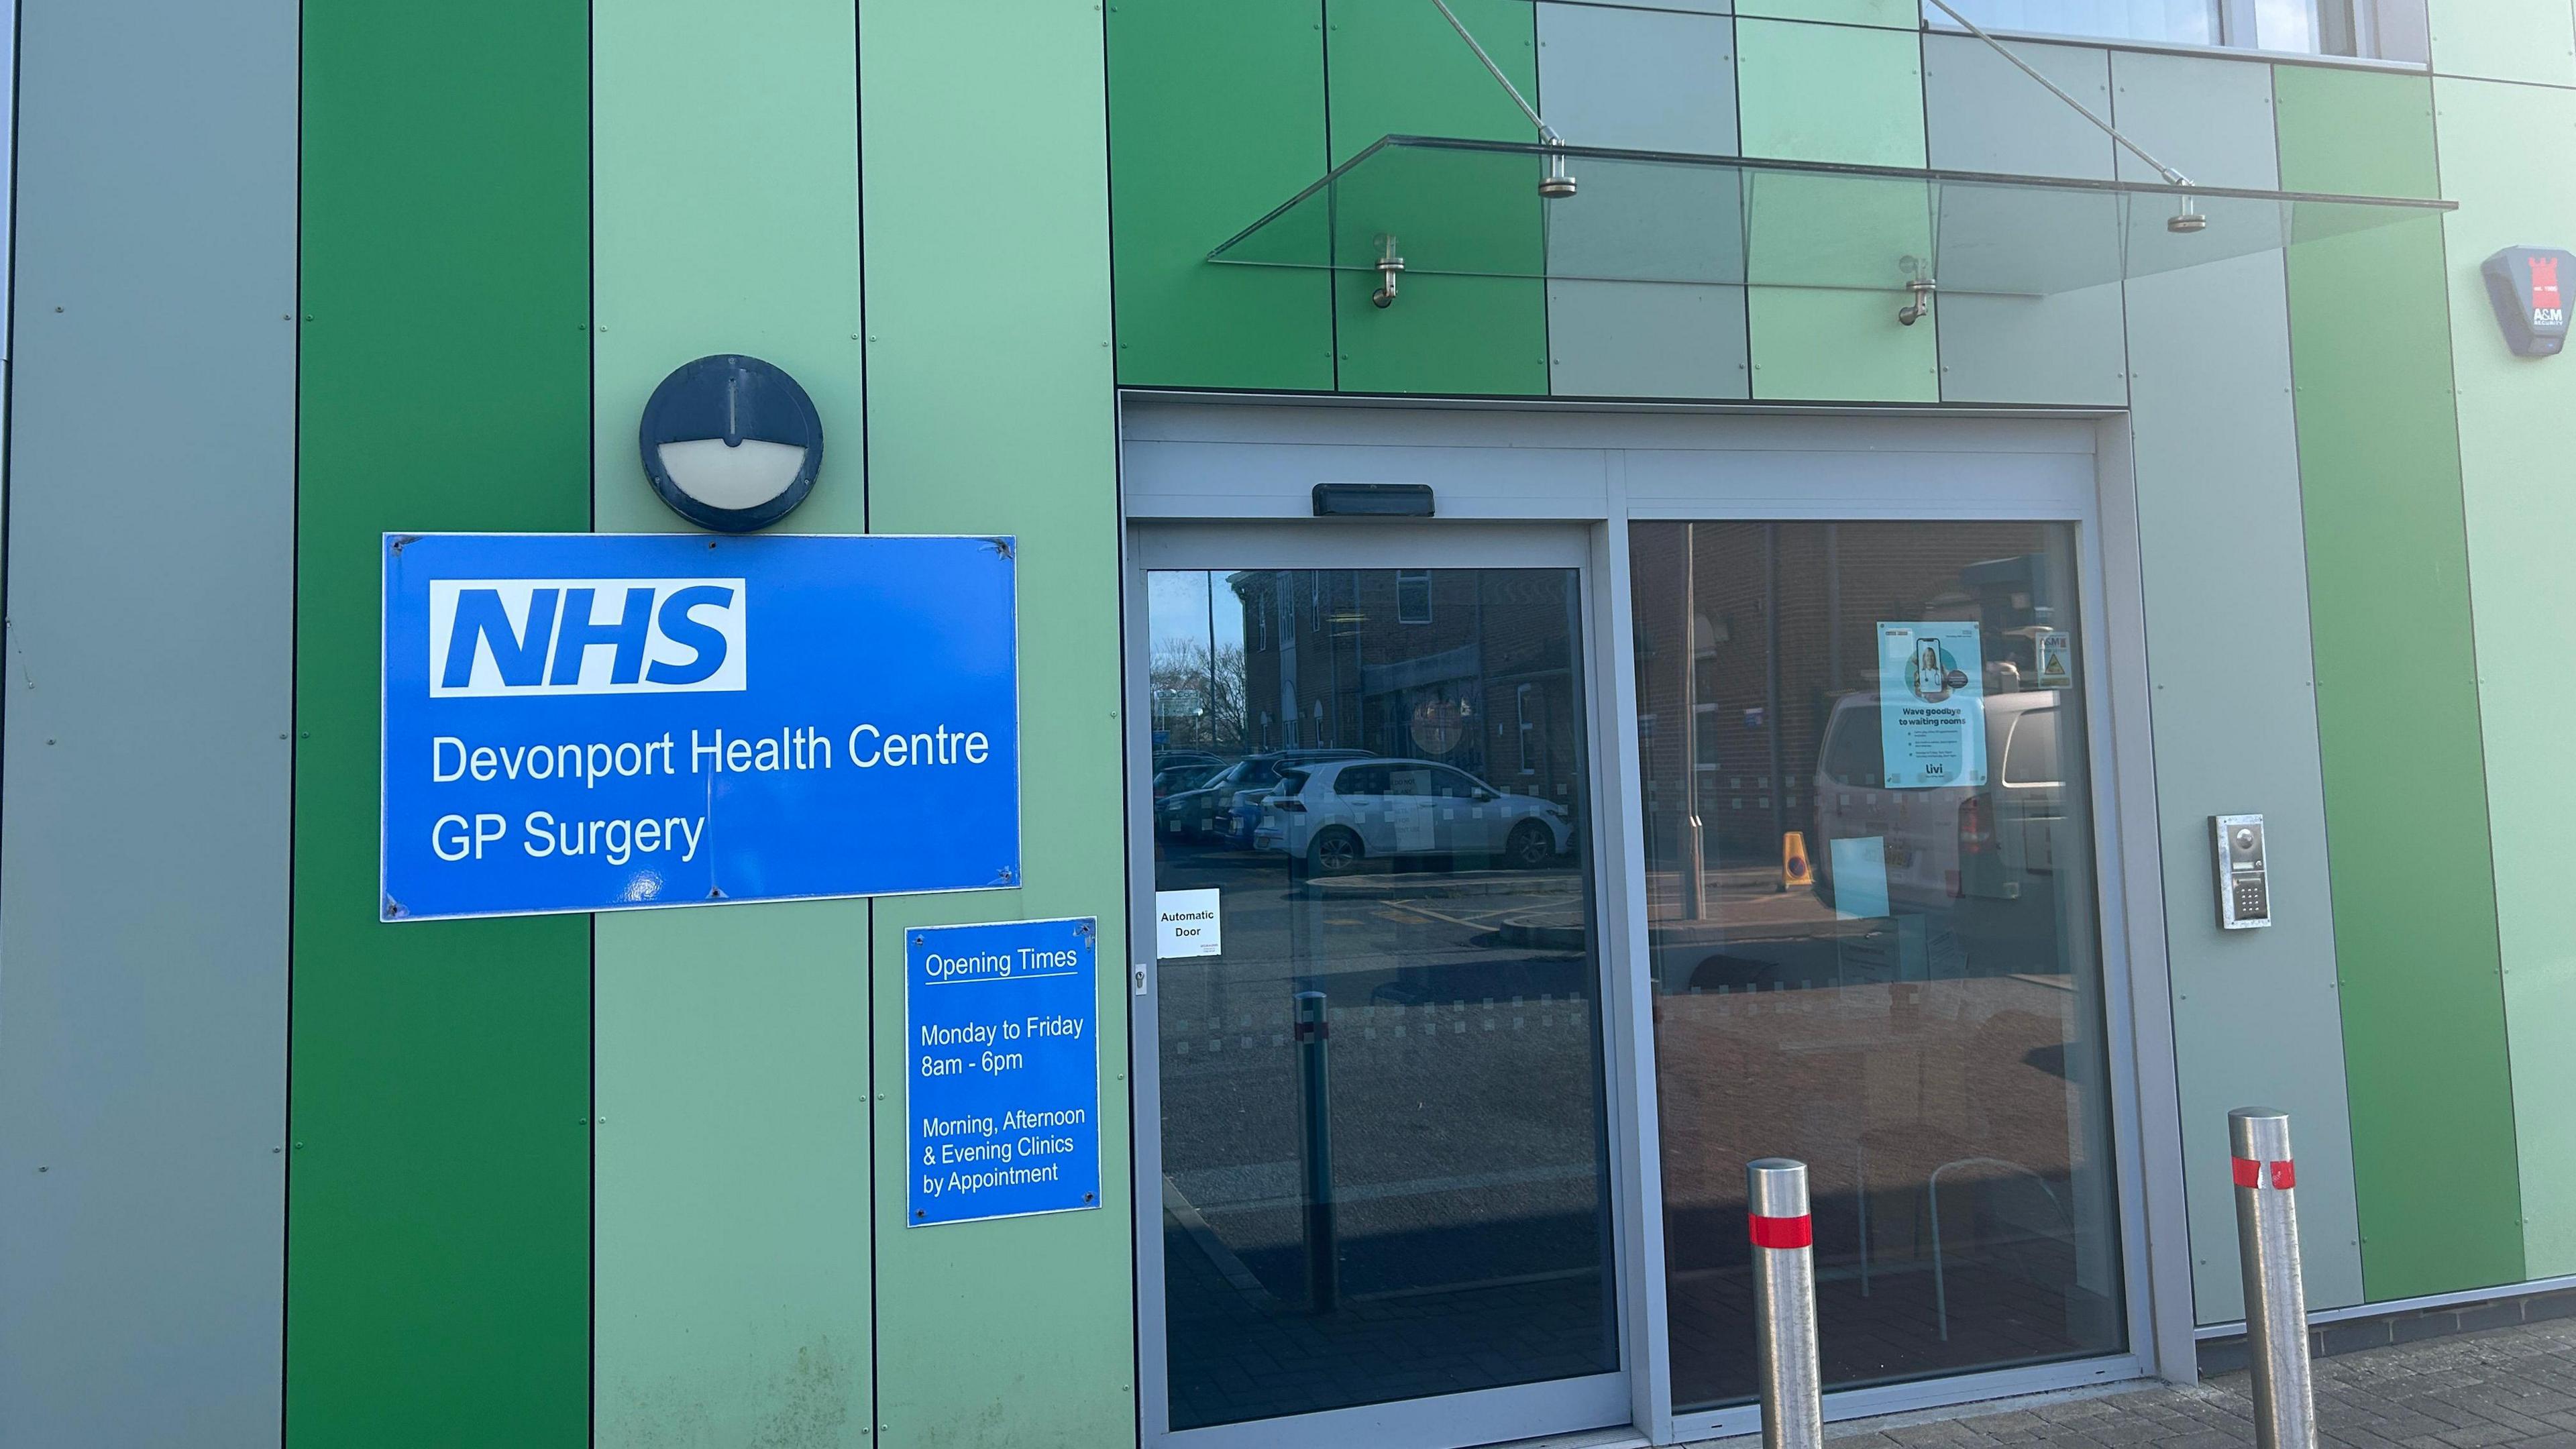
(2527, 286)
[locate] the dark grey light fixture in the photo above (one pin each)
(731, 443)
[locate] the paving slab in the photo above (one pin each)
(2506, 1388)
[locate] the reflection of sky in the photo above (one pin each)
(2278, 24)
(1177, 607)
(2285, 24)
(2180, 22)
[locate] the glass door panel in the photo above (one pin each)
(1385, 1170)
(1871, 907)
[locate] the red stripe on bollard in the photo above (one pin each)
(2249, 1173)
(1782, 1232)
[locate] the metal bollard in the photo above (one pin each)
(1784, 1304)
(2276, 1312)
(1323, 1254)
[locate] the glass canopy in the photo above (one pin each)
(1474, 208)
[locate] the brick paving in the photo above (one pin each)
(2508, 1387)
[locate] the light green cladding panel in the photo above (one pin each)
(2519, 40)
(1216, 115)
(732, 1176)
(438, 1242)
(2521, 536)
(1396, 68)
(1889, 14)
(2388, 591)
(1854, 95)
(991, 410)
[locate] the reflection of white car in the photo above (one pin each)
(1333, 814)
(1942, 843)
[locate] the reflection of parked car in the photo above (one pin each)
(1209, 808)
(1243, 812)
(1335, 814)
(1173, 779)
(1948, 842)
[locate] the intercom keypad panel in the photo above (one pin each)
(2244, 876)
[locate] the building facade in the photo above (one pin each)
(1867, 532)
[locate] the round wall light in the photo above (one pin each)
(732, 443)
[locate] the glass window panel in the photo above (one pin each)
(2382, 29)
(2175, 22)
(1413, 1200)
(1921, 1021)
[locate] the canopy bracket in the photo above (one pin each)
(1558, 183)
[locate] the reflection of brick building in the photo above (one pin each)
(1835, 583)
(1470, 667)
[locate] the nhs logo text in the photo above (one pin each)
(586, 636)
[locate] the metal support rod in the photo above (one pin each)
(1323, 1252)
(1546, 133)
(1771, 686)
(1558, 183)
(1694, 871)
(1784, 1304)
(2267, 1244)
(2171, 176)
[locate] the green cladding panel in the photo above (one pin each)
(732, 1239)
(991, 409)
(1397, 68)
(1216, 116)
(1890, 14)
(2522, 534)
(1850, 94)
(2397, 702)
(439, 1182)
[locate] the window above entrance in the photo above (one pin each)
(2368, 29)
(1411, 206)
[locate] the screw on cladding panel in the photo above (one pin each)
(2267, 1245)
(1784, 1303)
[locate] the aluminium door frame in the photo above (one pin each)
(1484, 1416)
(1243, 457)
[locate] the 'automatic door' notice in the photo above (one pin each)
(1002, 1086)
(591, 722)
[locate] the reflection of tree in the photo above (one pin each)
(1198, 697)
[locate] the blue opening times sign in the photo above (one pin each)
(1002, 1091)
(590, 722)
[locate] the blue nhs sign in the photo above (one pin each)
(583, 722)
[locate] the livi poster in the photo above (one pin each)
(1931, 705)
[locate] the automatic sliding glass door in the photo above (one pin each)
(1377, 1042)
(1871, 909)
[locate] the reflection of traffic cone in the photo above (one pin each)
(1794, 870)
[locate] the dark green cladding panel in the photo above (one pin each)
(1396, 68)
(2435, 1169)
(439, 1184)
(1216, 116)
